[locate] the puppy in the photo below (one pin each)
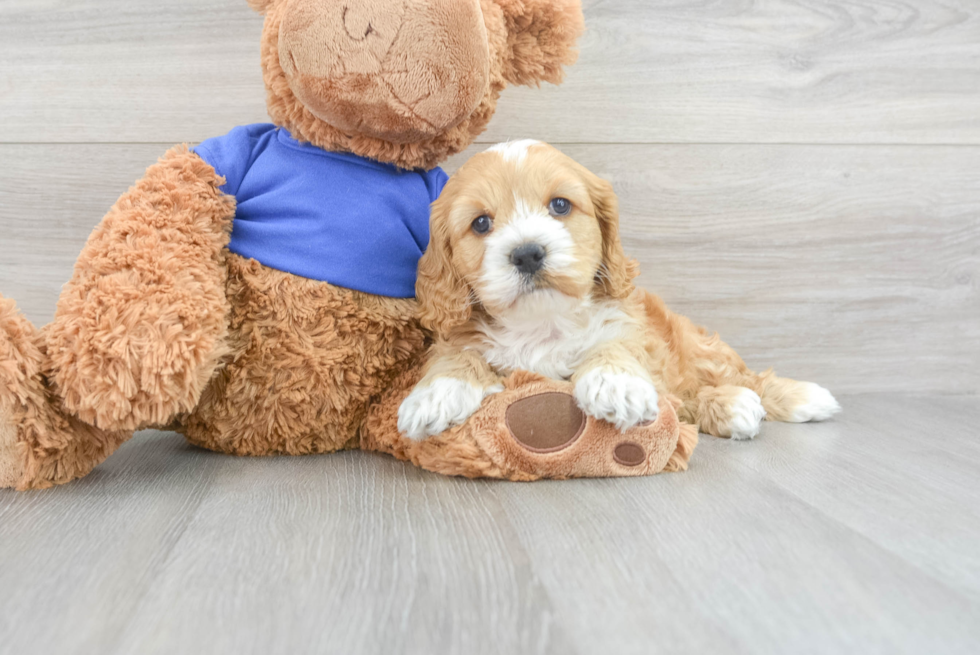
(525, 270)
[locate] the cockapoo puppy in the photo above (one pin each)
(525, 270)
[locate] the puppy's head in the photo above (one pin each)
(517, 228)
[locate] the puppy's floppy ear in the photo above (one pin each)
(260, 6)
(444, 299)
(618, 271)
(541, 37)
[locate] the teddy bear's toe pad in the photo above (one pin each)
(545, 423)
(629, 453)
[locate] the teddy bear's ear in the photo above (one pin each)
(260, 6)
(541, 36)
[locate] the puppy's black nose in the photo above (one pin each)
(528, 258)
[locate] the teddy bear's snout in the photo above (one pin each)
(398, 70)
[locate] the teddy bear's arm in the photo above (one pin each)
(141, 326)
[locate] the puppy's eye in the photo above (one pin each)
(560, 207)
(482, 224)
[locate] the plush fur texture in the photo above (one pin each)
(305, 358)
(52, 447)
(573, 314)
(141, 326)
(161, 326)
(485, 446)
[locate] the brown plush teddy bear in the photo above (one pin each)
(255, 293)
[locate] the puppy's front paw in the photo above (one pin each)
(622, 399)
(436, 407)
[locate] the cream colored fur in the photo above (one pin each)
(550, 334)
(818, 405)
(730, 411)
(514, 151)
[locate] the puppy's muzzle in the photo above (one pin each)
(528, 258)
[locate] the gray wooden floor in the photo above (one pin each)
(801, 175)
(854, 536)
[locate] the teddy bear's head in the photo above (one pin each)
(409, 82)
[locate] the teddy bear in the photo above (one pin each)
(256, 292)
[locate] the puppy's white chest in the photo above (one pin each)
(556, 347)
(552, 355)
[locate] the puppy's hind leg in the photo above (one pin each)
(736, 411)
(792, 401)
(730, 411)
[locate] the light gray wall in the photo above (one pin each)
(802, 177)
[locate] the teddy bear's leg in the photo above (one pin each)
(40, 445)
(140, 328)
(138, 331)
(306, 358)
(532, 429)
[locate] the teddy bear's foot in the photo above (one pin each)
(550, 423)
(535, 429)
(543, 432)
(40, 446)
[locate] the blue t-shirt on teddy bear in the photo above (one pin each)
(334, 217)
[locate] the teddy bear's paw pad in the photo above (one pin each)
(546, 422)
(629, 453)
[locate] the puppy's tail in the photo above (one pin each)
(793, 401)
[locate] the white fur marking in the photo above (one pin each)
(514, 151)
(434, 408)
(746, 415)
(819, 406)
(501, 283)
(622, 399)
(551, 334)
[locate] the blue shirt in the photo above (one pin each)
(335, 217)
